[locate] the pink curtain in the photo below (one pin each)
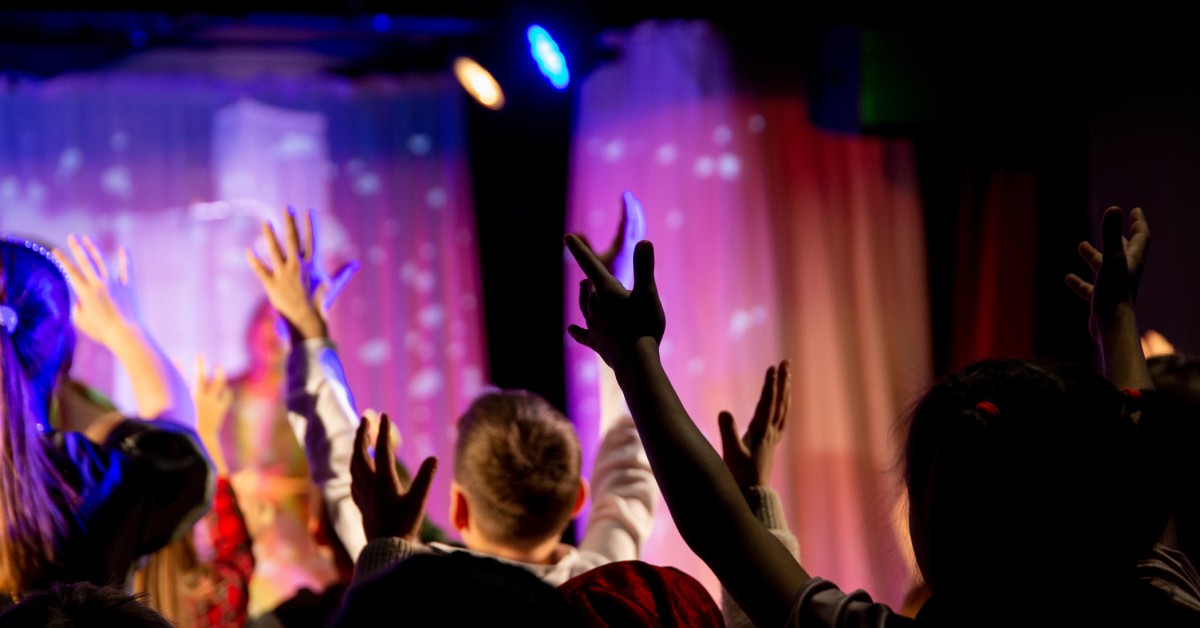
(773, 240)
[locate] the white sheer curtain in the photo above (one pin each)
(772, 240)
(182, 169)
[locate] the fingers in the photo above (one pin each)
(589, 263)
(273, 250)
(219, 383)
(580, 335)
(124, 266)
(260, 269)
(73, 272)
(360, 463)
(87, 272)
(643, 267)
(338, 283)
(1091, 256)
(385, 452)
(633, 222)
(419, 489)
(1111, 230)
(310, 242)
(783, 394)
(201, 379)
(291, 234)
(731, 443)
(764, 408)
(623, 226)
(585, 293)
(1080, 287)
(97, 260)
(1137, 223)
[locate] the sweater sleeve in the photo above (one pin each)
(381, 554)
(625, 494)
(322, 415)
(764, 502)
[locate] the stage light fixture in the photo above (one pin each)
(479, 83)
(549, 58)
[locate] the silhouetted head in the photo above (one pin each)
(81, 605)
(516, 470)
(1051, 472)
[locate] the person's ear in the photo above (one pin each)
(581, 497)
(459, 508)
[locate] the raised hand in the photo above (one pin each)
(213, 398)
(105, 304)
(617, 319)
(388, 508)
(1112, 321)
(295, 284)
(751, 457)
(1117, 270)
(618, 259)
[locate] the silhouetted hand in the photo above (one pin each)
(616, 318)
(1117, 271)
(751, 457)
(388, 508)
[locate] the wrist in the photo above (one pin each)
(308, 326)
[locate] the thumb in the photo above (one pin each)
(338, 282)
(731, 444)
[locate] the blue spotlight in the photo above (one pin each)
(381, 22)
(549, 59)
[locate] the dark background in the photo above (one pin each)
(1095, 109)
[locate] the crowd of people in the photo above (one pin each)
(1039, 492)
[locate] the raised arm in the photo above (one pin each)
(106, 311)
(320, 407)
(750, 459)
(1112, 293)
(625, 328)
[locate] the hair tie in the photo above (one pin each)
(8, 319)
(988, 408)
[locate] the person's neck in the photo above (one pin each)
(542, 553)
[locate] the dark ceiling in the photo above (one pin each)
(351, 37)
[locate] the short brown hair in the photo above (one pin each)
(517, 459)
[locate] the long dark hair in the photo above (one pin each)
(33, 525)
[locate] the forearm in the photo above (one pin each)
(707, 505)
(768, 509)
(1121, 350)
(158, 388)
